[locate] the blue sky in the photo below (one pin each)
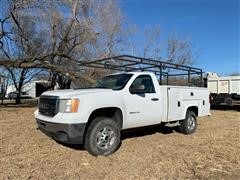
(212, 26)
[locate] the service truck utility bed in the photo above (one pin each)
(180, 98)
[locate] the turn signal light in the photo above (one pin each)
(74, 105)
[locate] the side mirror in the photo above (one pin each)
(137, 89)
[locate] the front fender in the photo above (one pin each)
(89, 104)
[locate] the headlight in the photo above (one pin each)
(68, 105)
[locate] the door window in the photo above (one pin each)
(146, 81)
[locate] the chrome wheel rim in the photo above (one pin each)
(191, 123)
(105, 138)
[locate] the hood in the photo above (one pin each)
(68, 93)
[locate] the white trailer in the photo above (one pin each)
(33, 88)
(223, 89)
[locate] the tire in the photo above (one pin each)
(102, 137)
(189, 124)
(229, 101)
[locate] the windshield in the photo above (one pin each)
(115, 82)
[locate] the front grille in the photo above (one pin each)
(48, 105)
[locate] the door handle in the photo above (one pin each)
(154, 99)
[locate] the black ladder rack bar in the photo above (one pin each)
(134, 63)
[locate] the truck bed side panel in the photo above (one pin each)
(181, 98)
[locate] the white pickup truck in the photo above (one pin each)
(95, 116)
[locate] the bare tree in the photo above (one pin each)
(85, 30)
(18, 40)
(180, 50)
(20, 77)
(174, 49)
(152, 46)
(57, 35)
(4, 81)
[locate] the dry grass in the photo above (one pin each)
(156, 153)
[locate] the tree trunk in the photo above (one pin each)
(18, 99)
(2, 94)
(2, 98)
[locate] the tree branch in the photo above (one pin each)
(46, 65)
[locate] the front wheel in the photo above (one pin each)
(102, 136)
(189, 124)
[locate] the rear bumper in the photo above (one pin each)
(65, 133)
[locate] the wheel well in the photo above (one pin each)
(193, 109)
(110, 112)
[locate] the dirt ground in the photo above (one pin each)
(213, 152)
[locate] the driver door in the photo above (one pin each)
(143, 108)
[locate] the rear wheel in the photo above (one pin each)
(189, 124)
(102, 137)
(229, 101)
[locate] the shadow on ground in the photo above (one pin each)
(26, 103)
(148, 130)
(73, 146)
(226, 108)
(133, 133)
